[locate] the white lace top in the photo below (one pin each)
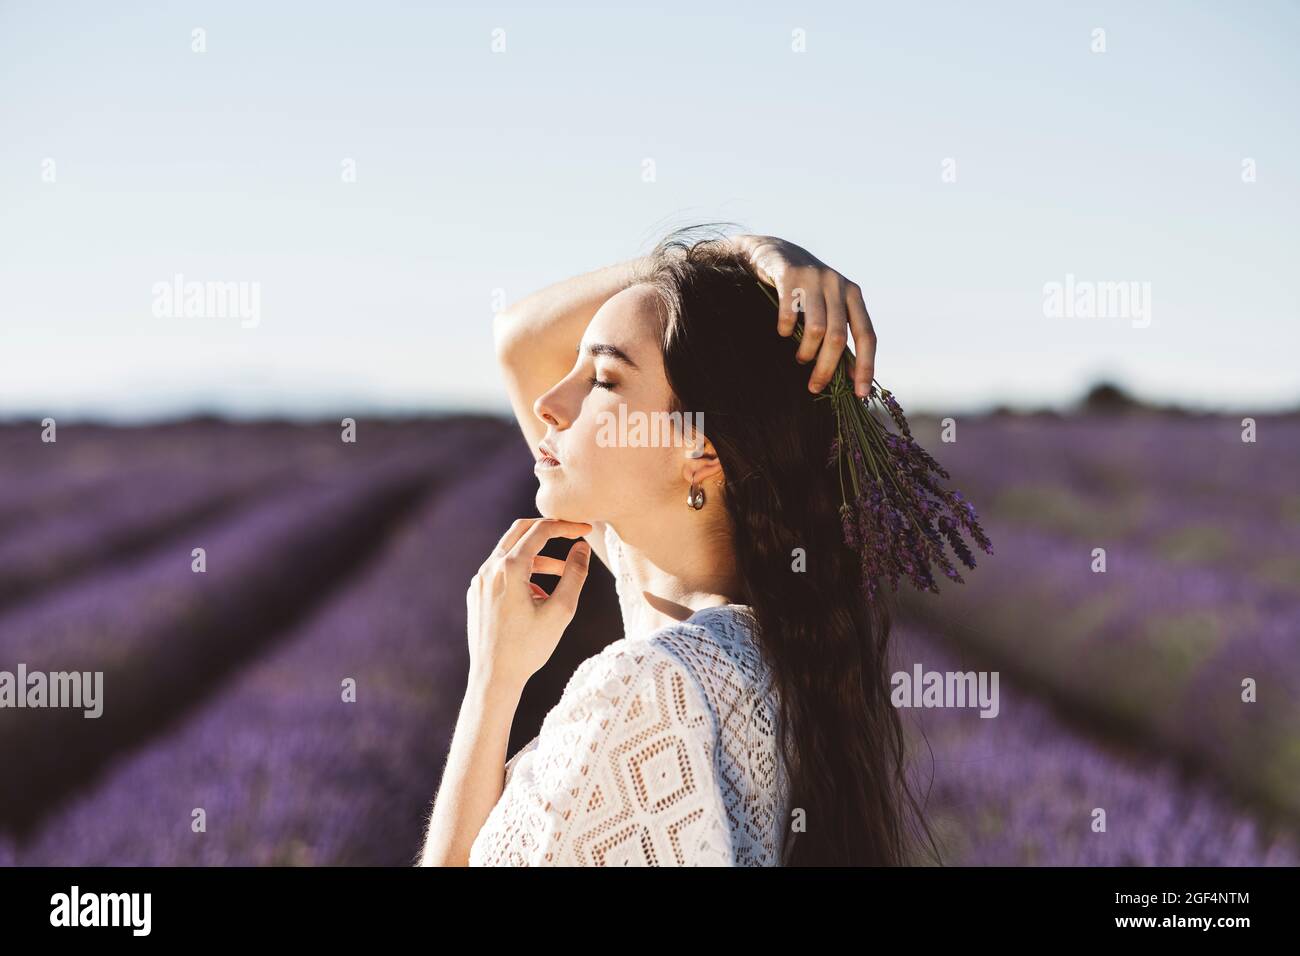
(661, 752)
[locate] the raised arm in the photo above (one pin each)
(537, 341)
(538, 336)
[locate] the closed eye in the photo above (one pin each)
(599, 383)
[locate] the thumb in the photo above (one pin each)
(574, 576)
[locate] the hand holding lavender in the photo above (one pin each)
(896, 513)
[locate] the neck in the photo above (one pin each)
(678, 569)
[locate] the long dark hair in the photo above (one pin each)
(840, 737)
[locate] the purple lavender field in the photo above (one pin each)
(293, 703)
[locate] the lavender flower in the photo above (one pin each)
(895, 514)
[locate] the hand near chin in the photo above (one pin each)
(514, 626)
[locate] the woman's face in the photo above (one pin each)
(609, 470)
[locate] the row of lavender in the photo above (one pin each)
(286, 770)
(1020, 789)
(1146, 581)
(1188, 490)
(166, 637)
(327, 749)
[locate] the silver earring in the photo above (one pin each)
(695, 497)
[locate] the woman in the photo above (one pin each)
(744, 717)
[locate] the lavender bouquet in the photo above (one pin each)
(899, 515)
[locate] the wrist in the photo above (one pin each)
(744, 243)
(493, 687)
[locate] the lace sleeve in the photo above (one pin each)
(621, 774)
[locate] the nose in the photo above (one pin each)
(549, 407)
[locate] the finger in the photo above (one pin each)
(864, 338)
(513, 534)
(545, 565)
(814, 326)
(785, 313)
(542, 531)
(837, 336)
(565, 595)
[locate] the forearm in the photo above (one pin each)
(550, 322)
(537, 337)
(474, 776)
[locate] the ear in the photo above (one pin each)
(700, 462)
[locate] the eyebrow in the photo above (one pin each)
(613, 351)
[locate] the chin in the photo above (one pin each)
(543, 505)
(553, 504)
(548, 503)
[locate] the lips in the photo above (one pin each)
(548, 458)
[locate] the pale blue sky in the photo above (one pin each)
(478, 171)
